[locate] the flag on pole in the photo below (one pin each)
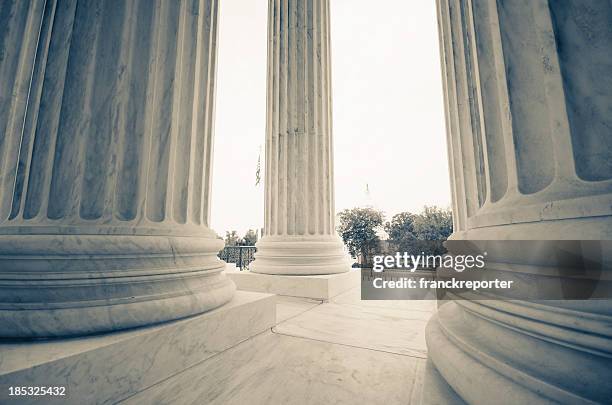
(258, 170)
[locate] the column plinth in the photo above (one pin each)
(299, 232)
(105, 166)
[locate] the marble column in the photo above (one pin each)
(105, 165)
(299, 231)
(529, 100)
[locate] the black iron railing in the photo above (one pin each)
(240, 255)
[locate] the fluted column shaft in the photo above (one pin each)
(299, 189)
(528, 101)
(105, 158)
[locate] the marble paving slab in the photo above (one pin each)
(288, 307)
(389, 329)
(353, 297)
(277, 369)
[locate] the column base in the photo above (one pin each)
(61, 285)
(435, 390)
(109, 368)
(300, 255)
(522, 353)
(318, 287)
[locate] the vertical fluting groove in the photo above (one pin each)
(183, 158)
(13, 106)
(323, 117)
(121, 100)
(330, 162)
(475, 100)
(283, 129)
(302, 117)
(195, 181)
(205, 89)
(210, 109)
(33, 108)
(325, 153)
(503, 102)
(157, 181)
(200, 114)
(311, 126)
(464, 109)
(14, 18)
(447, 116)
(490, 100)
(152, 95)
(554, 93)
(292, 114)
(276, 133)
(100, 141)
(584, 36)
(47, 125)
(269, 112)
(320, 117)
(131, 160)
(316, 119)
(176, 111)
(14, 24)
(275, 151)
(267, 229)
(483, 144)
(76, 124)
(461, 212)
(530, 120)
(330, 151)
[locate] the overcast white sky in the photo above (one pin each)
(387, 106)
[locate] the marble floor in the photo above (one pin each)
(342, 351)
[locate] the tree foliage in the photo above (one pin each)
(401, 230)
(250, 238)
(424, 232)
(433, 223)
(359, 230)
(232, 238)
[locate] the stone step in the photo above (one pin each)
(317, 287)
(108, 368)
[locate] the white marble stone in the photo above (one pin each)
(104, 369)
(299, 215)
(393, 330)
(106, 133)
(353, 297)
(528, 131)
(276, 369)
(289, 307)
(434, 390)
(318, 287)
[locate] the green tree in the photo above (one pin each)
(433, 223)
(358, 228)
(401, 231)
(250, 238)
(432, 227)
(424, 232)
(231, 238)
